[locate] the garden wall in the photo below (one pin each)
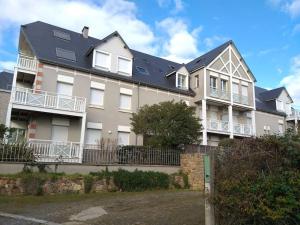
(192, 164)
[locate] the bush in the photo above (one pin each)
(88, 183)
(140, 181)
(32, 183)
(257, 181)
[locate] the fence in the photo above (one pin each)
(132, 155)
(96, 155)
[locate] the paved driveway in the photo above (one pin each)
(146, 208)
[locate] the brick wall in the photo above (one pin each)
(192, 164)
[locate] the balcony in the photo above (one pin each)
(242, 129)
(46, 100)
(216, 93)
(295, 115)
(55, 151)
(240, 99)
(27, 63)
(218, 125)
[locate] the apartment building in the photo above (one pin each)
(69, 90)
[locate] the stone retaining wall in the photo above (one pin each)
(192, 164)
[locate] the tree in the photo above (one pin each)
(167, 124)
(5, 132)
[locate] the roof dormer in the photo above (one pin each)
(113, 55)
(181, 76)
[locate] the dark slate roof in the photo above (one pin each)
(272, 94)
(266, 106)
(6, 79)
(207, 58)
(43, 43)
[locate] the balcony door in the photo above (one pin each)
(60, 146)
(64, 92)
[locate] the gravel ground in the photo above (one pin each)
(145, 208)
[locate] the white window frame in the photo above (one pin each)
(64, 83)
(130, 104)
(93, 104)
(130, 66)
(280, 103)
(98, 87)
(93, 126)
(186, 87)
(222, 86)
(98, 66)
(197, 79)
(210, 83)
(243, 88)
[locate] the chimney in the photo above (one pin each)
(85, 32)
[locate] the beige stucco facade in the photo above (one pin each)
(267, 123)
(4, 101)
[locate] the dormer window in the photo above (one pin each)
(182, 81)
(102, 60)
(280, 106)
(124, 66)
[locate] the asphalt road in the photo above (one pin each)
(147, 208)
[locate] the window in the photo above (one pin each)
(267, 129)
(196, 81)
(17, 135)
(182, 81)
(60, 133)
(288, 109)
(102, 60)
(245, 91)
(93, 136)
(124, 65)
(235, 88)
(96, 97)
(123, 138)
(224, 85)
(280, 105)
(64, 89)
(280, 128)
(125, 102)
(213, 82)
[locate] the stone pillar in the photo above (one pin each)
(204, 123)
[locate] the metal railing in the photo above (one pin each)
(222, 94)
(218, 125)
(295, 114)
(43, 99)
(27, 63)
(130, 155)
(242, 129)
(16, 152)
(55, 151)
(241, 99)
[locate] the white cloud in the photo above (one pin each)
(102, 18)
(292, 81)
(7, 65)
(183, 44)
(177, 4)
(214, 40)
(291, 7)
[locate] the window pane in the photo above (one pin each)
(244, 91)
(235, 88)
(93, 136)
(182, 81)
(123, 138)
(124, 65)
(213, 82)
(96, 97)
(224, 85)
(125, 101)
(64, 89)
(102, 60)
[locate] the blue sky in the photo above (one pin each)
(267, 32)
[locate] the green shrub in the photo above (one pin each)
(257, 181)
(32, 183)
(88, 183)
(140, 181)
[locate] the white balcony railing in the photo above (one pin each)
(242, 129)
(218, 125)
(43, 99)
(241, 99)
(222, 94)
(295, 115)
(48, 150)
(27, 63)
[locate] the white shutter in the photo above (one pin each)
(123, 138)
(102, 60)
(93, 136)
(64, 89)
(125, 102)
(60, 133)
(96, 97)
(124, 65)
